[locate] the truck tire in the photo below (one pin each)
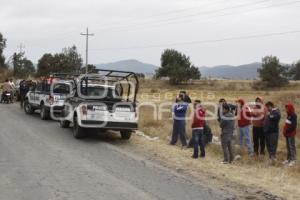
(28, 108)
(64, 124)
(44, 114)
(78, 132)
(125, 135)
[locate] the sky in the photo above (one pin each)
(210, 32)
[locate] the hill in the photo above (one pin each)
(129, 65)
(242, 72)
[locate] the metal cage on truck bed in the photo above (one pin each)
(113, 76)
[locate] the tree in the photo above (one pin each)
(177, 67)
(22, 66)
(68, 61)
(45, 64)
(295, 71)
(91, 69)
(272, 73)
(73, 60)
(2, 47)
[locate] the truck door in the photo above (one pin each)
(37, 94)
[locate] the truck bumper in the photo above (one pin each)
(110, 125)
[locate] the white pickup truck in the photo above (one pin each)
(47, 96)
(99, 102)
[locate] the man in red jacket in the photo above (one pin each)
(198, 129)
(244, 122)
(289, 131)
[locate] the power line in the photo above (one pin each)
(165, 13)
(192, 15)
(215, 16)
(87, 34)
(179, 20)
(203, 41)
(186, 20)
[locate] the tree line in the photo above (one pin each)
(175, 66)
(178, 68)
(67, 61)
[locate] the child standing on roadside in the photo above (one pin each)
(289, 132)
(227, 125)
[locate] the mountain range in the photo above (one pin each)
(129, 65)
(242, 72)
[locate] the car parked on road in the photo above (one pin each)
(99, 102)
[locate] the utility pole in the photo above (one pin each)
(21, 48)
(87, 34)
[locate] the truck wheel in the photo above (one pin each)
(78, 132)
(125, 135)
(64, 124)
(28, 108)
(44, 113)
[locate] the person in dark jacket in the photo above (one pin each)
(24, 88)
(289, 132)
(185, 96)
(227, 125)
(208, 136)
(271, 130)
(198, 130)
(179, 115)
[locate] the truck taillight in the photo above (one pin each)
(51, 100)
(84, 110)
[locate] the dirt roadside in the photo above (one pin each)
(249, 183)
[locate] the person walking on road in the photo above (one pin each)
(7, 88)
(24, 88)
(271, 129)
(258, 116)
(244, 122)
(198, 130)
(179, 118)
(227, 125)
(289, 132)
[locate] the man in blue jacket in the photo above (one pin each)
(179, 117)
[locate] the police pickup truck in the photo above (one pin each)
(48, 96)
(104, 101)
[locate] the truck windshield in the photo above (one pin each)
(100, 92)
(61, 88)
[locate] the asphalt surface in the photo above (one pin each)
(41, 161)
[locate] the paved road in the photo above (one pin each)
(41, 161)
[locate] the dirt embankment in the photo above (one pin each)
(249, 177)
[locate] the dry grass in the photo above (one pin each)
(248, 171)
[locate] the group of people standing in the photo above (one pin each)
(264, 119)
(10, 87)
